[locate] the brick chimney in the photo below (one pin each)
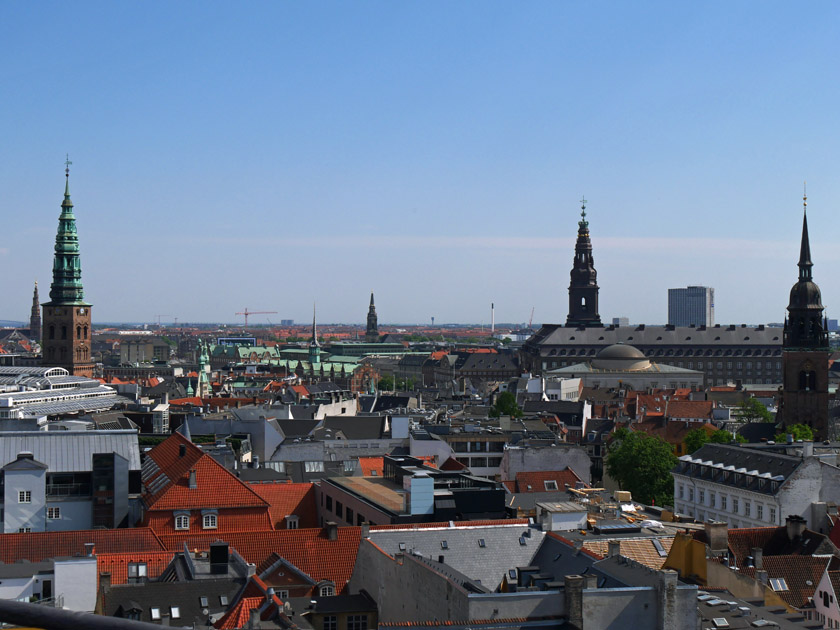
(613, 548)
(795, 525)
(193, 480)
(331, 530)
(758, 558)
(717, 536)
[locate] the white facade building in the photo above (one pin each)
(745, 486)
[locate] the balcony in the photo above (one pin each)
(68, 490)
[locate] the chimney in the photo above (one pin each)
(105, 580)
(795, 525)
(761, 576)
(193, 480)
(807, 449)
(613, 548)
(758, 558)
(365, 530)
(717, 536)
(90, 549)
(182, 450)
(591, 580)
(331, 530)
(254, 619)
(573, 591)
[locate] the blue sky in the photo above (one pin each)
(273, 154)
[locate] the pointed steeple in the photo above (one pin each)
(35, 316)
(805, 263)
(583, 287)
(372, 330)
(66, 286)
(314, 346)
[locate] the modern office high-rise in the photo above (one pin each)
(691, 306)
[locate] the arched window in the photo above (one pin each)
(52, 332)
(85, 332)
(64, 332)
(78, 332)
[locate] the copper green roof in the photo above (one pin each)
(66, 287)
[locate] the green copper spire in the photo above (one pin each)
(66, 287)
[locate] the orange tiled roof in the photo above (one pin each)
(289, 498)
(37, 546)
(639, 549)
(253, 596)
(371, 464)
(216, 486)
(535, 481)
(308, 549)
(117, 563)
(797, 572)
(191, 400)
(678, 409)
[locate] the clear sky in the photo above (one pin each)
(274, 154)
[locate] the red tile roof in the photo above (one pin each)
(191, 400)
(37, 546)
(535, 481)
(285, 499)
(117, 563)
(371, 464)
(253, 596)
(307, 549)
(797, 571)
(216, 487)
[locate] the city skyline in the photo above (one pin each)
(435, 156)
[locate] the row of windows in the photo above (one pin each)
(340, 511)
(208, 521)
(81, 332)
(734, 507)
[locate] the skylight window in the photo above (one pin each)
(155, 613)
(444, 544)
(203, 601)
(223, 600)
(175, 611)
(720, 622)
(481, 543)
(522, 540)
(402, 546)
(779, 584)
(512, 574)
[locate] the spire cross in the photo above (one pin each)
(67, 164)
(805, 195)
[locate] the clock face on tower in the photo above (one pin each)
(82, 311)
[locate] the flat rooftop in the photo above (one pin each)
(383, 492)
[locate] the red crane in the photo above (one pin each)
(246, 312)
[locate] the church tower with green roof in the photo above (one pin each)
(66, 322)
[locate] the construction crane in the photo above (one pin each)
(531, 321)
(246, 312)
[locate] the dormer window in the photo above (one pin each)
(182, 521)
(292, 521)
(210, 521)
(326, 590)
(550, 485)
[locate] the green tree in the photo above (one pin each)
(642, 464)
(386, 383)
(505, 405)
(798, 431)
(695, 438)
(722, 436)
(753, 410)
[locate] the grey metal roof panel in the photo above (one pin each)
(556, 334)
(501, 552)
(69, 451)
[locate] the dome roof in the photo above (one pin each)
(621, 356)
(805, 294)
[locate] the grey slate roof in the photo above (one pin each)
(724, 459)
(489, 564)
(558, 335)
(69, 451)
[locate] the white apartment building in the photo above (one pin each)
(746, 486)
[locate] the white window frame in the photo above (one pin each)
(24, 496)
(182, 521)
(327, 590)
(53, 513)
(210, 521)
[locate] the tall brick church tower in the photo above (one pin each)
(805, 349)
(583, 287)
(66, 321)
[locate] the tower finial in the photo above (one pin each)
(583, 223)
(805, 197)
(67, 164)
